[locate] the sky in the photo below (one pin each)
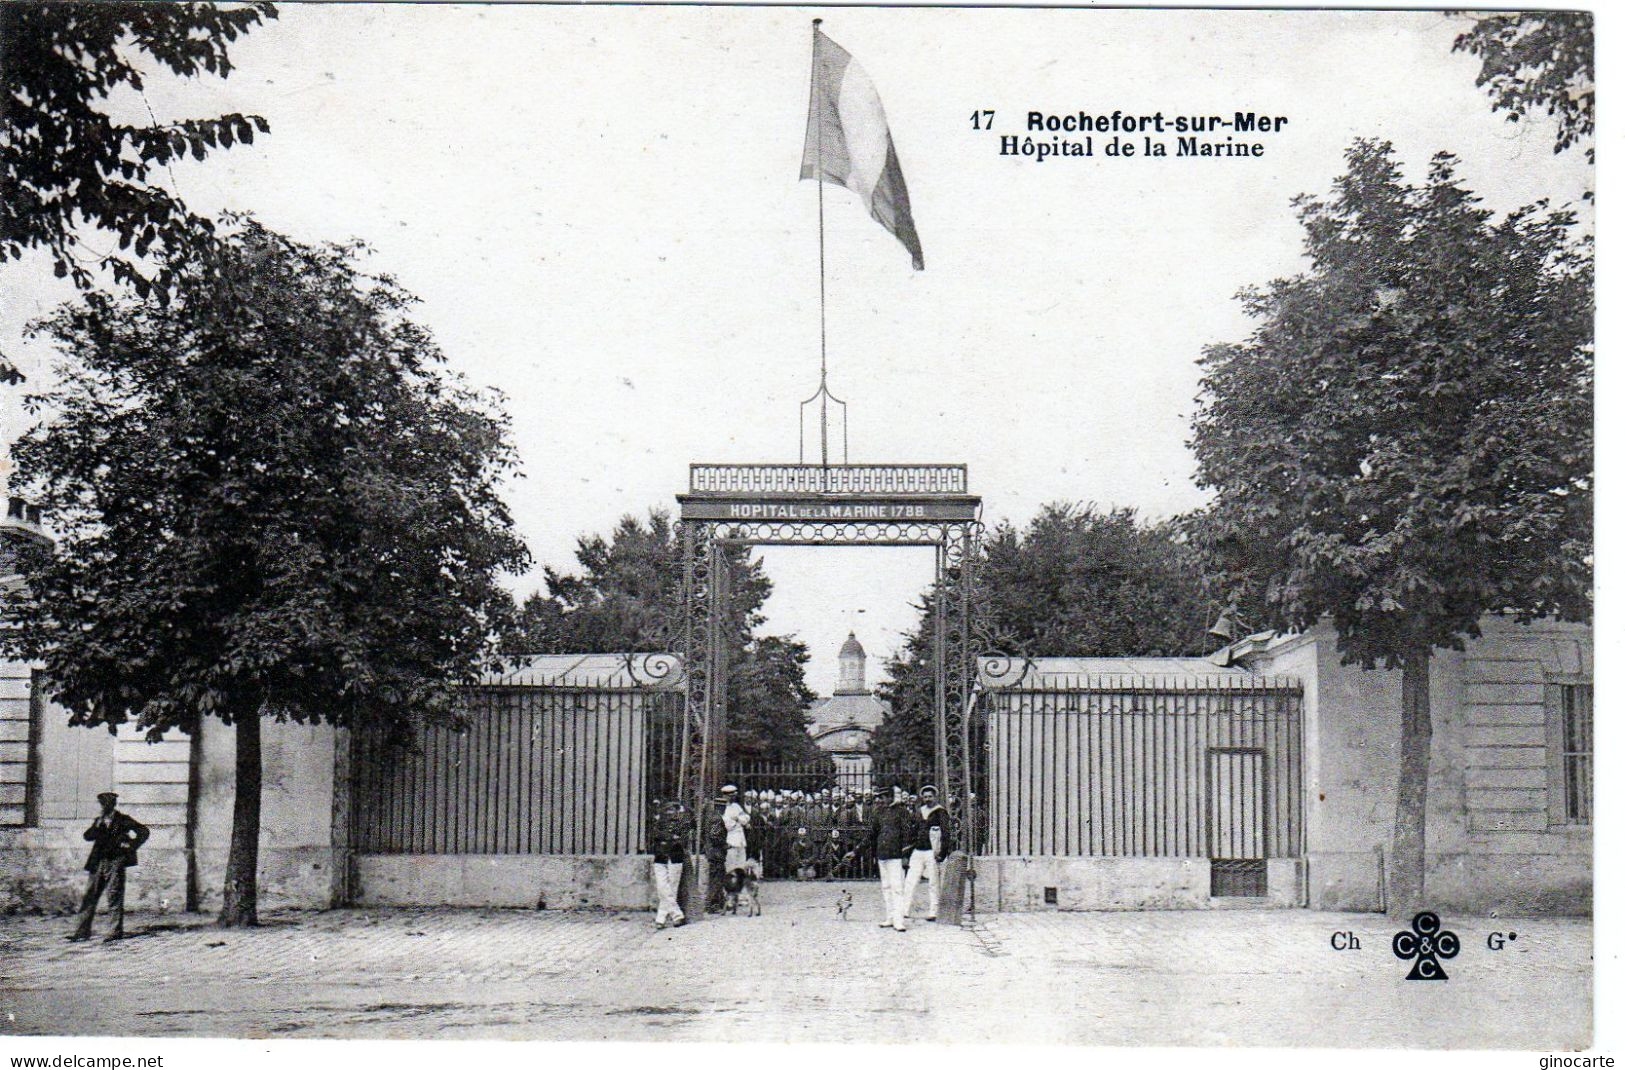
(600, 212)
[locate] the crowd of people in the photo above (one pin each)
(830, 833)
(812, 835)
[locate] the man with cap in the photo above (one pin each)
(893, 837)
(804, 855)
(735, 820)
(930, 847)
(113, 837)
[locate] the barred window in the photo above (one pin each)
(1569, 742)
(1577, 752)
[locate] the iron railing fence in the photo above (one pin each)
(533, 770)
(854, 480)
(1172, 768)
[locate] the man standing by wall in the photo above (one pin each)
(930, 846)
(114, 838)
(669, 842)
(893, 837)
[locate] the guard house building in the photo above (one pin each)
(844, 723)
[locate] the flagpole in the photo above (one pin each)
(823, 329)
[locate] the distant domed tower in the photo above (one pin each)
(852, 658)
(843, 723)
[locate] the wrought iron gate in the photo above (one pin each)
(1148, 766)
(1236, 795)
(734, 506)
(538, 765)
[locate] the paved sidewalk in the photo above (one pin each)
(800, 973)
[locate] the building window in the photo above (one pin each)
(1569, 743)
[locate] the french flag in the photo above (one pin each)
(849, 143)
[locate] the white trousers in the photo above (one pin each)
(891, 892)
(668, 877)
(921, 864)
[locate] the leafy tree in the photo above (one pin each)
(271, 502)
(906, 737)
(1404, 443)
(1538, 61)
(625, 599)
(622, 599)
(1078, 581)
(767, 702)
(66, 162)
(1086, 582)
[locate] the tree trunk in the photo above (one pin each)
(1407, 868)
(241, 906)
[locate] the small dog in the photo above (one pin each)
(843, 903)
(741, 886)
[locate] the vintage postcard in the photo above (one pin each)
(761, 524)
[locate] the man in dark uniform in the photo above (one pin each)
(114, 837)
(893, 835)
(715, 834)
(669, 843)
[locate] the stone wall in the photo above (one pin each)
(42, 864)
(544, 882)
(17, 744)
(299, 864)
(1028, 883)
(1494, 842)
(183, 789)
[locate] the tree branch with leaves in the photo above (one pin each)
(1538, 61)
(67, 166)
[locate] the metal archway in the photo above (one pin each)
(733, 506)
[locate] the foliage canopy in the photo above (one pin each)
(1076, 581)
(269, 499)
(65, 161)
(1538, 61)
(626, 597)
(1405, 441)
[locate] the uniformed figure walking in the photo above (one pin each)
(669, 841)
(114, 838)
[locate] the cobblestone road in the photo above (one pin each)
(800, 973)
